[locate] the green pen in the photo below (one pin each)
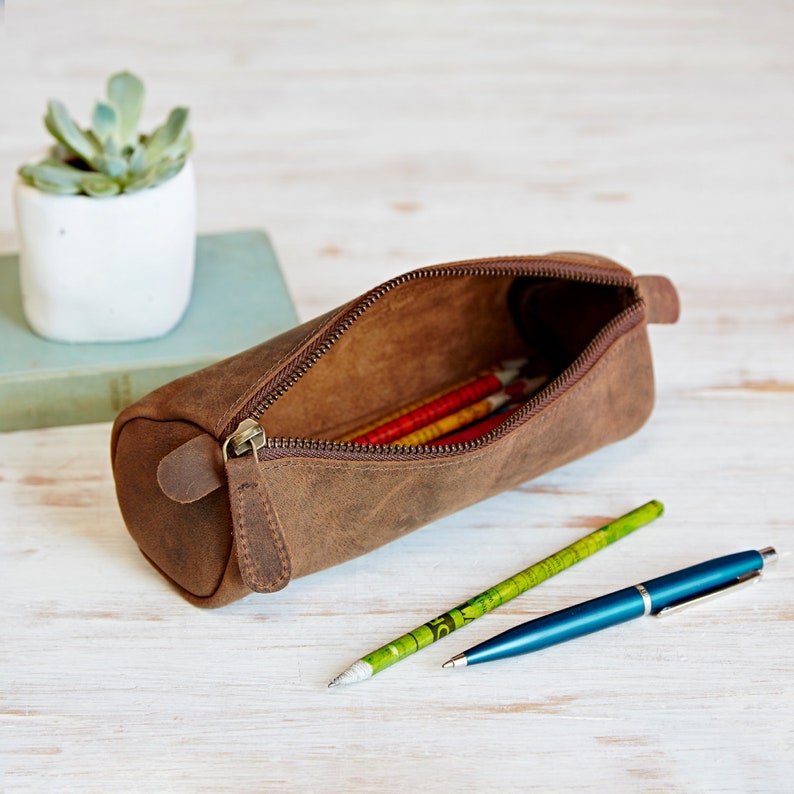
(494, 597)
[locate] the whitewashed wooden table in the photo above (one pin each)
(369, 139)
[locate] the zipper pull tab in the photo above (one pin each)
(196, 468)
(262, 552)
(249, 437)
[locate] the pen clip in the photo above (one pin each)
(741, 581)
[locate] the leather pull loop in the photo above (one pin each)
(193, 470)
(661, 299)
(262, 552)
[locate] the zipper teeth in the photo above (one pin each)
(551, 268)
(627, 319)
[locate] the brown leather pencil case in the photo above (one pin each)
(232, 480)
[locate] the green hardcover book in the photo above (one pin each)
(239, 299)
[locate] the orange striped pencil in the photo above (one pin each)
(472, 413)
(361, 432)
(437, 409)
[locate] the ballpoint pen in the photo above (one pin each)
(499, 594)
(659, 596)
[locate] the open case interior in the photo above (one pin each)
(431, 333)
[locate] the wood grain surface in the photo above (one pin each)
(369, 139)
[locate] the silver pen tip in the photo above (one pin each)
(769, 554)
(455, 661)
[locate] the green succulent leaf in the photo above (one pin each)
(99, 185)
(155, 175)
(111, 156)
(105, 126)
(171, 134)
(145, 180)
(112, 150)
(181, 148)
(125, 92)
(37, 181)
(114, 167)
(53, 176)
(167, 169)
(63, 129)
(53, 187)
(137, 161)
(94, 141)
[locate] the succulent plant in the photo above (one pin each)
(111, 156)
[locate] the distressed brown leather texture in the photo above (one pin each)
(218, 533)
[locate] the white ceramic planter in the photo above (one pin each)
(107, 269)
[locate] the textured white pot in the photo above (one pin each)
(107, 269)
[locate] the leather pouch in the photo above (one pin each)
(232, 480)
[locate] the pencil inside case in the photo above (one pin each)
(432, 335)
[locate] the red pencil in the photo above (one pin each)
(446, 404)
(472, 413)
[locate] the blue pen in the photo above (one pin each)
(659, 596)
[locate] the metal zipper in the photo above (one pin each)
(248, 435)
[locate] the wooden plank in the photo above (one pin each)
(370, 141)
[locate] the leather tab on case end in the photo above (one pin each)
(192, 470)
(661, 299)
(262, 553)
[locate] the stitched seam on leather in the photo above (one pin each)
(243, 538)
(277, 538)
(242, 534)
(545, 416)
